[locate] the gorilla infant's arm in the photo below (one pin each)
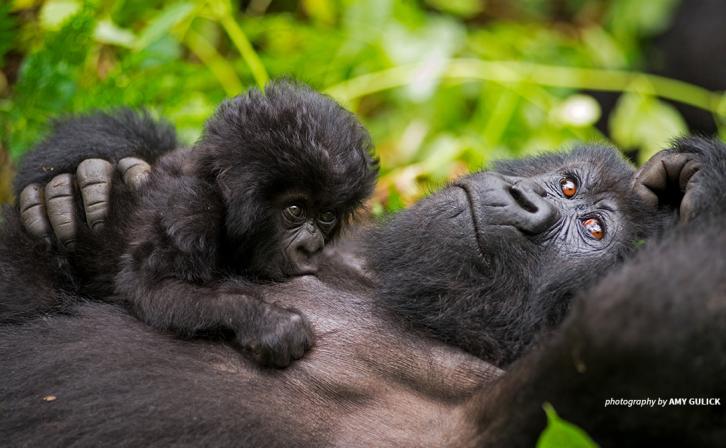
(654, 328)
(273, 179)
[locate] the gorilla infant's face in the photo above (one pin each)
(491, 259)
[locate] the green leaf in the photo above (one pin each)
(163, 23)
(560, 433)
(56, 12)
(461, 8)
(109, 33)
(644, 122)
(7, 31)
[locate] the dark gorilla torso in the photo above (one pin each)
(367, 382)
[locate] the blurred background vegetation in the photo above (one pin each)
(444, 86)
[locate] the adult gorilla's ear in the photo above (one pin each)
(670, 180)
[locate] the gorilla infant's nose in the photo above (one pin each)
(304, 252)
(531, 212)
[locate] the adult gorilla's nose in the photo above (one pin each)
(530, 211)
(498, 200)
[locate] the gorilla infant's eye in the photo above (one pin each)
(568, 186)
(293, 212)
(327, 218)
(594, 228)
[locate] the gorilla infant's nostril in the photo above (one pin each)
(311, 245)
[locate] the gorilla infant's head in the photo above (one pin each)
(292, 166)
(491, 260)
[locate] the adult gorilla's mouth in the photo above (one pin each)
(470, 204)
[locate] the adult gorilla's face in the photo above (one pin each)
(491, 260)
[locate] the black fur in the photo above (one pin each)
(653, 328)
(214, 212)
(110, 136)
(492, 296)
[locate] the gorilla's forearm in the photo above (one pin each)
(272, 334)
(108, 136)
(32, 284)
(367, 382)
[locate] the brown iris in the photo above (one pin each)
(594, 228)
(568, 186)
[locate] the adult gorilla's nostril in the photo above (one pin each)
(534, 213)
(520, 197)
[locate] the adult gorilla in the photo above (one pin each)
(485, 264)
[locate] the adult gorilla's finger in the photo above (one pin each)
(689, 181)
(32, 211)
(667, 179)
(134, 171)
(61, 209)
(94, 180)
(655, 181)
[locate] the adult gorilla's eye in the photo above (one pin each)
(294, 212)
(327, 218)
(568, 186)
(594, 228)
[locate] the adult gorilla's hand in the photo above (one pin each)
(669, 179)
(51, 210)
(679, 178)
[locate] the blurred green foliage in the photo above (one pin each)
(444, 85)
(560, 433)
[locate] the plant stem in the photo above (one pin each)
(239, 39)
(221, 69)
(539, 74)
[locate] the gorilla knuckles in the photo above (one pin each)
(495, 258)
(274, 178)
(684, 180)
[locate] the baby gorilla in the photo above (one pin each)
(275, 177)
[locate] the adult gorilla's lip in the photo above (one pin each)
(473, 213)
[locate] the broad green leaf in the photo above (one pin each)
(578, 111)
(164, 22)
(56, 12)
(322, 11)
(462, 8)
(108, 32)
(7, 32)
(562, 434)
(644, 122)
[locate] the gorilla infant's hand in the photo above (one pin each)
(51, 210)
(281, 336)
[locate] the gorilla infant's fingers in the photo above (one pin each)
(61, 208)
(285, 335)
(32, 211)
(134, 171)
(94, 180)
